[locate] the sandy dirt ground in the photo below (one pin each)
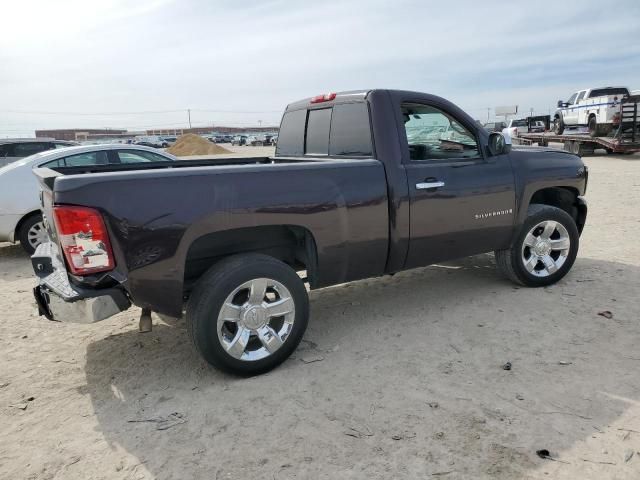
(408, 381)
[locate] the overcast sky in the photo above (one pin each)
(79, 63)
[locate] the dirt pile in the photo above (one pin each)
(191, 144)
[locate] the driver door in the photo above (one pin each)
(461, 202)
(571, 112)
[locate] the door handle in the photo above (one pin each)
(425, 185)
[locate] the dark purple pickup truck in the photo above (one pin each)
(362, 184)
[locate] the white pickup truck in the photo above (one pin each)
(598, 109)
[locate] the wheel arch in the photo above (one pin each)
(24, 218)
(564, 197)
(292, 244)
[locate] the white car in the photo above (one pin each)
(20, 217)
(12, 149)
(516, 127)
(598, 109)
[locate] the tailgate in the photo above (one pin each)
(629, 130)
(46, 177)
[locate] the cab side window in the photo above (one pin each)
(572, 99)
(6, 150)
(30, 148)
(434, 135)
(86, 159)
(581, 96)
(134, 156)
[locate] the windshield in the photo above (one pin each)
(519, 123)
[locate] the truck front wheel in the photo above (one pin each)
(558, 126)
(248, 313)
(544, 250)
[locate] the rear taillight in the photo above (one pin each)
(84, 239)
(616, 118)
(327, 97)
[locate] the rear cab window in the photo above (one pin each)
(318, 128)
(339, 130)
(603, 92)
(291, 135)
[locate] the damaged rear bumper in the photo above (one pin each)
(57, 299)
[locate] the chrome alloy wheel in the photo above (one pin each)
(256, 319)
(37, 234)
(545, 248)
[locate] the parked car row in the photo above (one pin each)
(221, 138)
(154, 141)
(255, 140)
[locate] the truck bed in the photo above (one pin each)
(200, 162)
(161, 217)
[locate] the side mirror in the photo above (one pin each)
(560, 103)
(499, 144)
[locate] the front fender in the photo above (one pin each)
(582, 213)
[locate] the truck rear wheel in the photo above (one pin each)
(544, 250)
(248, 313)
(594, 130)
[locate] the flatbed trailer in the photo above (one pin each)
(580, 144)
(625, 139)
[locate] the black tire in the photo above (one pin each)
(558, 126)
(575, 147)
(212, 290)
(23, 232)
(594, 130)
(510, 261)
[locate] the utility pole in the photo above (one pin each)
(189, 114)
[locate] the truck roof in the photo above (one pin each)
(601, 88)
(339, 96)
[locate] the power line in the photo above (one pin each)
(148, 112)
(25, 112)
(236, 111)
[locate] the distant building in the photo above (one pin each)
(207, 130)
(76, 134)
(81, 134)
